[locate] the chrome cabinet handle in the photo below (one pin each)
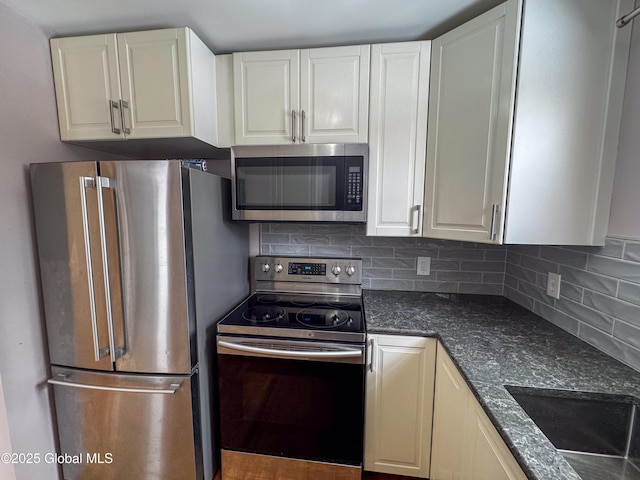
(90, 182)
(104, 182)
(302, 117)
(123, 105)
(62, 380)
(494, 221)
(293, 126)
(372, 344)
(346, 353)
(113, 105)
(415, 214)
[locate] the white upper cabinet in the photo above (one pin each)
(526, 159)
(319, 95)
(334, 94)
(87, 82)
(398, 109)
(153, 84)
(266, 96)
(471, 105)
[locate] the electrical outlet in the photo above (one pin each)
(553, 285)
(424, 266)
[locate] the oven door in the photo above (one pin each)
(292, 398)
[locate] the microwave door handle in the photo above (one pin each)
(90, 182)
(302, 355)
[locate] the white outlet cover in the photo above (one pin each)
(424, 266)
(553, 285)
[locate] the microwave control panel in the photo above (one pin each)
(354, 187)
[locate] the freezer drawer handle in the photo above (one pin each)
(90, 182)
(63, 380)
(291, 353)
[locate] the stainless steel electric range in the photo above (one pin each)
(291, 364)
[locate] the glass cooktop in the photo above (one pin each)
(321, 317)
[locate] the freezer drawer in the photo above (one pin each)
(114, 426)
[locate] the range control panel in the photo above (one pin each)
(320, 270)
(296, 268)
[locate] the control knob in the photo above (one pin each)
(279, 268)
(350, 270)
(265, 267)
(336, 270)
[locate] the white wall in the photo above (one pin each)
(7, 472)
(625, 206)
(28, 133)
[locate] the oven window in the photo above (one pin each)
(299, 183)
(297, 409)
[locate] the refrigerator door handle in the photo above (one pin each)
(90, 182)
(65, 381)
(104, 182)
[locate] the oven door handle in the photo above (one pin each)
(301, 355)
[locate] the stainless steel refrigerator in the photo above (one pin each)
(138, 262)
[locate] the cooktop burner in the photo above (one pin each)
(322, 317)
(263, 314)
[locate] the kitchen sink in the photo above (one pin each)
(598, 434)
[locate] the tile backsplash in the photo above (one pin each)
(599, 292)
(390, 263)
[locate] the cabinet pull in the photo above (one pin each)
(415, 214)
(494, 221)
(302, 117)
(123, 105)
(371, 344)
(113, 105)
(293, 126)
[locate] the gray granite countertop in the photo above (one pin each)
(494, 343)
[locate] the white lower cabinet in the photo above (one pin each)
(399, 404)
(466, 446)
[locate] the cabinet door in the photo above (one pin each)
(266, 86)
(449, 417)
(486, 455)
(87, 81)
(399, 404)
(334, 94)
(398, 136)
(155, 83)
(470, 124)
(466, 445)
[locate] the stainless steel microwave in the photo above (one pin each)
(306, 183)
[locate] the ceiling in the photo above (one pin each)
(241, 25)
